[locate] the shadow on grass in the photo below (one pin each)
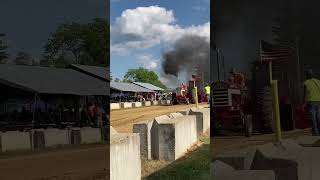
(194, 166)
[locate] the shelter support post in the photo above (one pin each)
(76, 110)
(35, 106)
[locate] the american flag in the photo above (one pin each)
(196, 77)
(275, 53)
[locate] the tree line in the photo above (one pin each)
(71, 43)
(141, 75)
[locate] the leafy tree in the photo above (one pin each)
(3, 47)
(24, 58)
(80, 43)
(96, 42)
(66, 39)
(143, 75)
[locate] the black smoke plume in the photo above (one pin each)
(189, 55)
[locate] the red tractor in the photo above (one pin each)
(181, 96)
(231, 109)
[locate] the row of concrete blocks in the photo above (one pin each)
(46, 138)
(125, 162)
(126, 105)
(169, 137)
(293, 159)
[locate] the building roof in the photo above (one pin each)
(48, 80)
(96, 71)
(149, 86)
(128, 87)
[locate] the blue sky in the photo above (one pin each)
(142, 29)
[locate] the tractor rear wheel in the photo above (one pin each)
(216, 125)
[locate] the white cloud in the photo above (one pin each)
(147, 61)
(145, 27)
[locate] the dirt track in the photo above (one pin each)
(123, 120)
(85, 163)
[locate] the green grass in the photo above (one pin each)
(194, 167)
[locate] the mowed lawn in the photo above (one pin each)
(193, 166)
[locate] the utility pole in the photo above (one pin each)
(298, 69)
(224, 68)
(218, 64)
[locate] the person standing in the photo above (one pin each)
(100, 113)
(207, 89)
(238, 78)
(312, 101)
(92, 112)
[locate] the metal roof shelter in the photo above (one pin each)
(96, 71)
(149, 86)
(48, 80)
(128, 87)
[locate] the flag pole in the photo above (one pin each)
(270, 71)
(298, 68)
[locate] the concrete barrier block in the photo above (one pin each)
(154, 103)
(137, 104)
(238, 159)
(15, 140)
(144, 130)
(175, 115)
(203, 118)
(38, 138)
(146, 103)
(75, 136)
(56, 137)
(114, 106)
(125, 162)
(90, 135)
(220, 170)
(308, 141)
(283, 158)
(168, 101)
(185, 113)
(171, 138)
(163, 102)
(163, 117)
(125, 105)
